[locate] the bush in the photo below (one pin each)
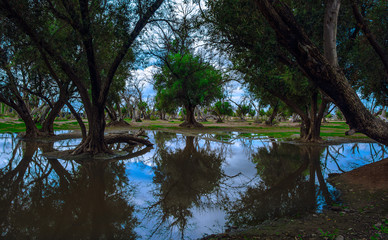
(339, 115)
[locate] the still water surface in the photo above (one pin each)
(184, 187)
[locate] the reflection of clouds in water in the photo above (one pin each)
(7, 145)
(350, 156)
(209, 217)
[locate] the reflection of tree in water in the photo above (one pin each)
(376, 151)
(184, 177)
(42, 199)
(288, 174)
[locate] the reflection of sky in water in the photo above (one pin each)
(238, 173)
(351, 156)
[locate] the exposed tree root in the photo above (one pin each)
(119, 123)
(191, 125)
(94, 147)
(126, 138)
(351, 132)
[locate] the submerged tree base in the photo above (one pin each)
(101, 147)
(33, 135)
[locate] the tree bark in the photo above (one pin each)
(311, 126)
(190, 121)
(94, 142)
(20, 107)
(320, 71)
(111, 113)
(273, 115)
(78, 118)
(48, 124)
(330, 31)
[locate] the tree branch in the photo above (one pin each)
(141, 23)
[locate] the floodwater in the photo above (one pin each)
(185, 187)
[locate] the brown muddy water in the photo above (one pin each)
(185, 187)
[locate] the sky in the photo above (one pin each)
(144, 74)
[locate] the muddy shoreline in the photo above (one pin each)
(362, 214)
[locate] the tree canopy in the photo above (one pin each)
(188, 81)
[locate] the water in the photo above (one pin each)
(183, 188)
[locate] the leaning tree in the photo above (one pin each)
(328, 78)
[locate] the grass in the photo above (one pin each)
(332, 129)
(15, 127)
(328, 235)
(19, 126)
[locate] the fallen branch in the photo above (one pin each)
(127, 138)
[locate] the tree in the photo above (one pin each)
(165, 107)
(285, 189)
(222, 109)
(362, 45)
(331, 81)
(26, 85)
(189, 81)
(89, 201)
(184, 177)
(242, 110)
(100, 31)
(268, 71)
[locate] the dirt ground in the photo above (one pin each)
(363, 214)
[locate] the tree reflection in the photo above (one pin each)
(184, 178)
(288, 187)
(46, 198)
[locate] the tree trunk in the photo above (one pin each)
(78, 118)
(273, 115)
(94, 142)
(135, 115)
(48, 124)
(31, 129)
(330, 31)
(119, 113)
(219, 119)
(310, 130)
(111, 113)
(190, 121)
(321, 72)
(20, 107)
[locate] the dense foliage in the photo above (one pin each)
(188, 81)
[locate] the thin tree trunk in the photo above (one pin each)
(330, 31)
(48, 124)
(78, 118)
(273, 115)
(111, 113)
